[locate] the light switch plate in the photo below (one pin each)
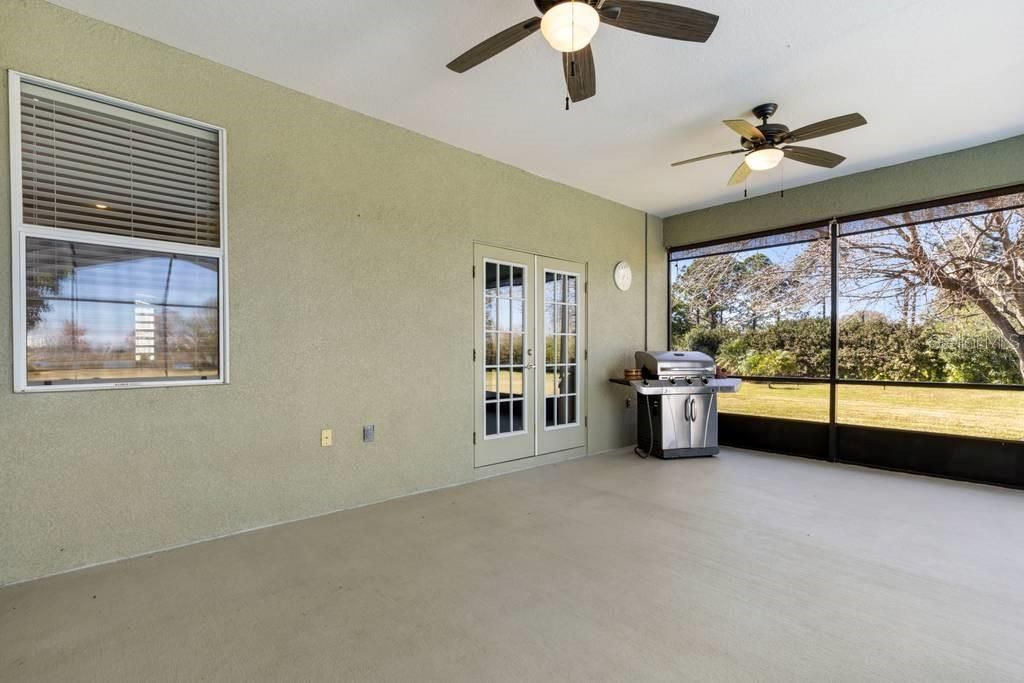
(368, 433)
(326, 438)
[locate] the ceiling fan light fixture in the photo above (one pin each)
(764, 159)
(570, 26)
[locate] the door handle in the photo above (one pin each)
(693, 409)
(531, 366)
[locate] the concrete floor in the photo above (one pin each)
(742, 567)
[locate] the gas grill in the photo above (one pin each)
(677, 406)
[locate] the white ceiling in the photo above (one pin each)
(929, 75)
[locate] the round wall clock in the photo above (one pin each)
(623, 275)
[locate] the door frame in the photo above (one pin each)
(478, 353)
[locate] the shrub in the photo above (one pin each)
(706, 340)
(773, 363)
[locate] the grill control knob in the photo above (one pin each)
(689, 380)
(704, 380)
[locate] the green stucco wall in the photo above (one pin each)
(969, 170)
(351, 245)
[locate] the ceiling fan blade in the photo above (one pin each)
(814, 157)
(708, 156)
(580, 76)
(660, 19)
(745, 129)
(741, 174)
(493, 45)
(826, 127)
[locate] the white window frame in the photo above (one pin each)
(21, 230)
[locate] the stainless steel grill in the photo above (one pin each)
(677, 406)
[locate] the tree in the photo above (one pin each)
(72, 338)
(974, 261)
(196, 336)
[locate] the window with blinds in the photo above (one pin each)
(89, 165)
(119, 243)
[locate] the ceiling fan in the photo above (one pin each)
(761, 143)
(569, 26)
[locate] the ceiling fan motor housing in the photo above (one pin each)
(774, 133)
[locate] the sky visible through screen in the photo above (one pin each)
(102, 298)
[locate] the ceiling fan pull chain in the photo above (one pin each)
(567, 103)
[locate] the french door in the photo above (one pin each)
(529, 355)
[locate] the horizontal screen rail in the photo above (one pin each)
(929, 385)
(781, 380)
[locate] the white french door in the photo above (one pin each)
(529, 355)
(560, 415)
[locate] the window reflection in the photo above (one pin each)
(100, 313)
(560, 303)
(505, 314)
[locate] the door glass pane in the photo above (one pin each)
(518, 283)
(505, 286)
(504, 315)
(550, 380)
(100, 314)
(490, 314)
(517, 349)
(491, 418)
(518, 414)
(505, 378)
(505, 412)
(561, 362)
(491, 351)
(491, 383)
(504, 348)
(517, 382)
(491, 279)
(517, 315)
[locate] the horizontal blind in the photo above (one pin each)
(88, 165)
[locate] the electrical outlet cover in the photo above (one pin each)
(368, 433)
(326, 438)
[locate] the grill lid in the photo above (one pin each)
(675, 364)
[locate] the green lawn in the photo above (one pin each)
(971, 412)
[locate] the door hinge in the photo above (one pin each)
(586, 354)
(586, 420)
(586, 287)
(474, 271)
(474, 355)
(474, 438)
